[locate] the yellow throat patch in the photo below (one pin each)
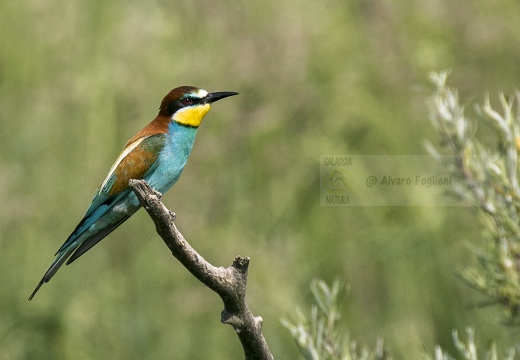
(191, 116)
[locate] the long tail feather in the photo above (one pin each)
(53, 268)
(76, 247)
(94, 239)
(82, 239)
(42, 281)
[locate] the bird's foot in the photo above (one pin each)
(173, 215)
(157, 193)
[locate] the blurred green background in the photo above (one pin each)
(79, 78)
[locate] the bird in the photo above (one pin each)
(157, 154)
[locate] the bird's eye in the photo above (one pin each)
(187, 101)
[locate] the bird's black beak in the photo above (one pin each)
(212, 97)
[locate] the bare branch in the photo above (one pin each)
(229, 283)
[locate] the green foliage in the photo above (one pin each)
(470, 351)
(487, 177)
(318, 337)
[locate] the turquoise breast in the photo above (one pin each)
(173, 157)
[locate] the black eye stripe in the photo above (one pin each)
(182, 102)
(189, 100)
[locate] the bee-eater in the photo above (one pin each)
(156, 154)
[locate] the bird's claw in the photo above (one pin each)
(157, 193)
